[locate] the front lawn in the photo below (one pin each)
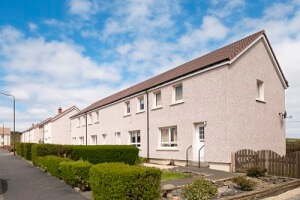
(169, 175)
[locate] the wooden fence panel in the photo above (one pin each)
(288, 165)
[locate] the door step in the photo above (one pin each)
(196, 164)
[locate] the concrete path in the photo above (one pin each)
(22, 181)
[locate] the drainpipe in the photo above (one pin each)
(147, 125)
(86, 125)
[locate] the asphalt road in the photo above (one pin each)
(22, 181)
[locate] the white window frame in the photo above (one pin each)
(97, 117)
(174, 101)
(155, 105)
(78, 122)
(83, 121)
(104, 138)
(118, 137)
(81, 140)
(139, 104)
(90, 118)
(135, 133)
(94, 140)
(126, 108)
(201, 133)
(169, 142)
(260, 90)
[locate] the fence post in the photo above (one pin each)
(297, 164)
(232, 162)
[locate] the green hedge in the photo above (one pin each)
(76, 174)
(40, 150)
(93, 154)
(27, 150)
(19, 149)
(120, 181)
(105, 153)
(51, 164)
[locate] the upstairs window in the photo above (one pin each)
(178, 90)
(97, 116)
(83, 120)
(135, 138)
(90, 118)
(78, 122)
(260, 90)
(127, 107)
(168, 137)
(141, 104)
(157, 99)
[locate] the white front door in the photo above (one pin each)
(199, 141)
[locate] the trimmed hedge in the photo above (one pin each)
(19, 149)
(94, 154)
(40, 150)
(51, 164)
(120, 181)
(105, 153)
(27, 150)
(76, 174)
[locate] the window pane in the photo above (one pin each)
(201, 133)
(165, 135)
(158, 99)
(178, 93)
(173, 134)
(128, 107)
(138, 140)
(132, 137)
(142, 104)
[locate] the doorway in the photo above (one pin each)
(199, 138)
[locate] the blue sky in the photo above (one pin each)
(74, 52)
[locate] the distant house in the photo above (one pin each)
(230, 99)
(5, 140)
(54, 130)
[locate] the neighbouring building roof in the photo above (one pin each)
(223, 54)
(6, 131)
(52, 119)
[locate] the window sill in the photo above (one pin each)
(157, 107)
(97, 122)
(140, 111)
(261, 101)
(127, 115)
(177, 102)
(90, 124)
(167, 149)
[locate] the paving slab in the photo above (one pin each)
(22, 181)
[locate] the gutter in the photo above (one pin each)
(86, 125)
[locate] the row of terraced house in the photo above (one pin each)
(230, 99)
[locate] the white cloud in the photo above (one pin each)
(83, 8)
(224, 8)
(46, 74)
(32, 27)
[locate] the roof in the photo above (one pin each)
(6, 131)
(52, 119)
(223, 54)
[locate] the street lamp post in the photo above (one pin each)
(9, 95)
(3, 133)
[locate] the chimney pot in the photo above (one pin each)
(59, 110)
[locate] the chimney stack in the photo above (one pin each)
(59, 110)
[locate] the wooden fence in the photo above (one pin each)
(288, 165)
(292, 147)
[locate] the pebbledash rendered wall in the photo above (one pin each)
(224, 98)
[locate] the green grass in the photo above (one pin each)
(169, 175)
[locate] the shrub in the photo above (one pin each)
(244, 183)
(93, 154)
(256, 172)
(51, 164)
(141, 160)
(105, 153)
(27, 150)
(199, 189)
(120, 181)
(19, 149)
(76, 174)
(39, 150)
